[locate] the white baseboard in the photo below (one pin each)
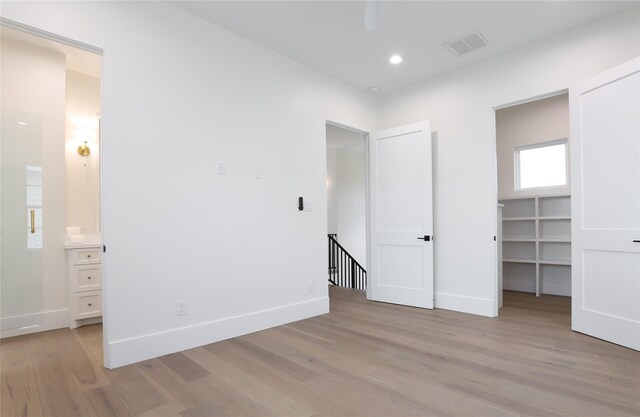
(125, 352)
(556, 288)
(516, 284)
(84, 322)
(32, 323)
(465, 304)
(528, 285)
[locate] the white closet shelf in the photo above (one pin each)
(537, 232)
(519, 261)
(554, 262)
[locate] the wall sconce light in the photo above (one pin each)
(84, 150)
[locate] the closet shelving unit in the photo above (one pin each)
(536, 236)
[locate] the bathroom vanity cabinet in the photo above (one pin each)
(84, 269)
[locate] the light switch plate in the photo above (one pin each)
(258, 173)
(221, 167)
(308, 206)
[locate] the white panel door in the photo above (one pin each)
(401, 216)
(605, 155)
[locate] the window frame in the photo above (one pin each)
(516, 163)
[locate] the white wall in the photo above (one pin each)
(351, 203)
(332, 188)
(83, 172)
(460, 107)
(34, 291)
(178, 95)
(525, 124)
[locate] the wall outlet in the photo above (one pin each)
(221, 167)
(310, 286)
(181, 307)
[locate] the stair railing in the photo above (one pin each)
(344, 270)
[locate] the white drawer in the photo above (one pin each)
(85, 277)
(86, 304)
(86, 256)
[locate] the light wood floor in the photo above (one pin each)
(362, 359)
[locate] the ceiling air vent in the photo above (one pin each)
(467, 43)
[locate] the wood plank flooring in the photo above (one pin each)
(362, 359)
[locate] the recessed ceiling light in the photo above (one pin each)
(22, 123)
(395, 59)
(374, 89)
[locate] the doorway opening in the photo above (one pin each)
(346, 206)
(534, 205)
(51, 240)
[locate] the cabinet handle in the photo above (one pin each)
(88, 256)
(89, 304)
(33, 221)
(88, 277)
(636, 241)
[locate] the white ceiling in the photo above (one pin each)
(77, 60)
(331, 36)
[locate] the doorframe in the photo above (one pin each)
(50, 36)
(31, 30)
(554, 93)
(366, 190)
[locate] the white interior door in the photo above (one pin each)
(605, 155)
(401, 216)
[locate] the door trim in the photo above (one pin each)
(50, 36)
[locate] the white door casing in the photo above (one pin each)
(605, 190)
(401, 212)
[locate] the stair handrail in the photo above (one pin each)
(344, 270)
(346, 251)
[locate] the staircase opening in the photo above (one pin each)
(346, 207)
